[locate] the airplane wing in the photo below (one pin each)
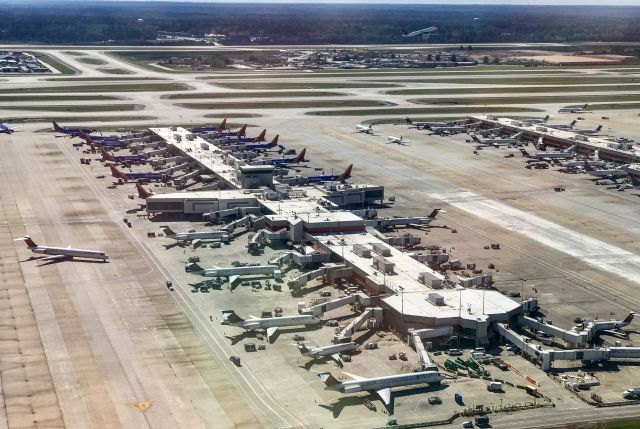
(385, 395)
(336, 357)
(55, 258)
(355, 377)
(272, 330)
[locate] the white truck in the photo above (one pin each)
(494, 386)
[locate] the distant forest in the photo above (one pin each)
(119, 22)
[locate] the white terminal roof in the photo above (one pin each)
(225, 194)
(212, 158)
(592, 141)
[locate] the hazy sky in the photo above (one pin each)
(527, 2)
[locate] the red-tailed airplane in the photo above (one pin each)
(61, 253)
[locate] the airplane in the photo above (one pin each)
(62, 253)
(111, 143)
(143, 193)
(270, 324)
(425, 32)
(564, 154)
(240, 139)
(84, 135)
(125, 159)
(6, 129)
(608, 173)
(332, 178)
(397, 140)
(446, 130)
(614, 324)
(190, 236)
(72, 131)
(333, 351)
(258, 146)
(381, 385)
(498, 141)
(240, 133)
(562, 126)
(574, 109)
(365, 129)
(284, 161)
(218, 128)
(593, 132)
(137, 176)
(429, 125)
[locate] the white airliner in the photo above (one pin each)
(333, 351)
(190, 236)
(61, 253)
(392, 139)
(270, 324)
(364, 129)
(381, 385)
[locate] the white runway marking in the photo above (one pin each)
(595, 252)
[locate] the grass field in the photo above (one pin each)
(8, 98)
(401, 120)
(92, 61)
(513, 90)
(613, 106)
(53, 62)
(99, 79)
(302, 85)
(286, 104)
(461, 110)
(78, 108)
(113, 70)
(254, 94)
(581, 99)
(100, 88)
(232, 115)
(84, 119)
(520, 80)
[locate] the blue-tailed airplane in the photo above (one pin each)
(219, 128)
(122, 159)
(331, 178)
(72, 131)
(284, 161)
(137, 176)
(5, 129)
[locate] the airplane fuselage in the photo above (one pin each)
(329, 350)
(272, 322)
(378, 383)
(71, 253)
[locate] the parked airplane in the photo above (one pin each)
(381, 385)
(107, 142)
(365, 129)
(190, 236)
(333, 351)
(574, 109)
(593, 132)
(72, 131)
(218, 128)
(61, 253)
(607, 173)
(6, 129)
(124, 159)
(284, 161)
(397, 140)
(138, 176)
(447, 130)
(331, 178)
(613, 324)
(564, 154)
(238, 139)
(143, 193)
(561, 126)
(270, 324)
(498, 141)
(240, 133)
(258, 146)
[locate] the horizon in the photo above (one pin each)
(610, 3)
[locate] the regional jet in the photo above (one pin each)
(62, 253)
(562, 126)
(593, 132)
(381, 385)
(563, 154)
(365, 129)
(396, 140)
(333, 351)
(270, 324)
(191, 236)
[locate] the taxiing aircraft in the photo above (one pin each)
(270, 324)
(6, 129)
(331, 178)
(72, 131)
(61, 253)
(333, 351)
(138, 176)
(380, 385)
(397, 140)
(364, 129)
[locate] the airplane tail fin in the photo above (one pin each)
(106, 155)
(142, 193)
(475, 138)
(599, 128)
(274, 142)
(328, 379)
(165, 229)
(629, 317)
(546, 118)
(300, 156)
(192, 267)
(571, 125)
(587, 167)
(56, 127)
(115, 172)
(28, 240)
(585, 106)
(242, 131)
(84, 136)
(347, 173)
(303, 349)
(260, 137)
(231, 317)
(404, 32)
(434, 213)
(222, 124)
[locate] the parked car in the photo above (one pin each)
(434, 400)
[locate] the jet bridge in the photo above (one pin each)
(573, 338)
(330, 271)
(416, 336)
(186, 177)
(318, 309)
(344, 336)
(164, 161)
(180, 167)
